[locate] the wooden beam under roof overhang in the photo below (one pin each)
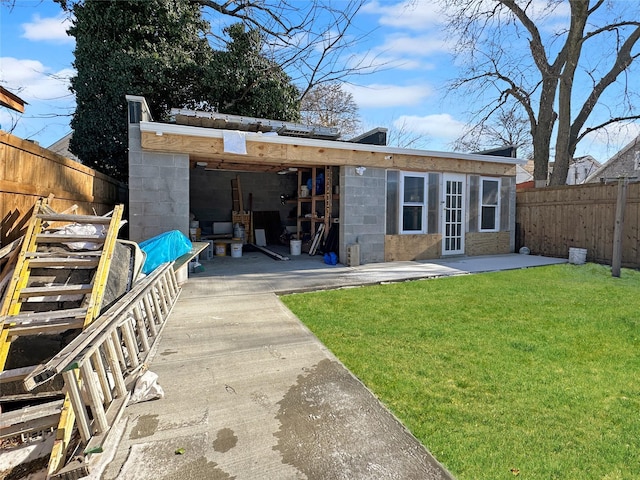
(268, 154)
(208, 163)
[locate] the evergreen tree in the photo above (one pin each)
(242, 81)
(153, 48)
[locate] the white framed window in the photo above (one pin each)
(489, 204)
(413, 203)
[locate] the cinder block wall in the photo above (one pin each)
(362, 212)
(158, 191)
(211, 198)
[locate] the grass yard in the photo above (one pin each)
(530, 373)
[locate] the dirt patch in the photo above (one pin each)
(24, 469)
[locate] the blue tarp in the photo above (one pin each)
(166, 247)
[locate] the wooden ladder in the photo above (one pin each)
(55, 289)
(30, 300)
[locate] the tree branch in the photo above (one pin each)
(623, 60)
(604, 124)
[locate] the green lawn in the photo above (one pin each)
(534, 372)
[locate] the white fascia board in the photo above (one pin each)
(170, 128)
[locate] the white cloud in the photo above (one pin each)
(408, 14)
(419, 15)
(441, 126)
(421, 46)
(48, 29)
(32, 81)
(386, 95)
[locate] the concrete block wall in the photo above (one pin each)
(158, 191)
(362, 212)
(210, 193)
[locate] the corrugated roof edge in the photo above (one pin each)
(169, 128)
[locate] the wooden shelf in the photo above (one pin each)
(315, 202)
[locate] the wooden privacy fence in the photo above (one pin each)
(551, 220)
(28, 171)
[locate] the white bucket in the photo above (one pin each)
(577, 256)
(296, 247)
(236, 250)
(221, 249)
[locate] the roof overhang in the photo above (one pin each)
(9, 100)
(271, 152)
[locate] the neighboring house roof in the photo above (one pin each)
(579, 169)
(10, 100)
(523, 175)
(504, 151)
(625, 163)
(377, 136)
(61, 147)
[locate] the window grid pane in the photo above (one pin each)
(412, 218)
(414, 203)
(489, 204)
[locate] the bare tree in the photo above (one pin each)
(593, 43)
(401, 135)
(310, 40)
(329, 105)
(502, 128)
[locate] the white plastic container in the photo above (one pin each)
(577, 256)
(236, 250)
(296, 247)
(238, 231)
(221, 249)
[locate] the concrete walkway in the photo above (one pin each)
(250, 393)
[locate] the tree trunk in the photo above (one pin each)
(572, 49)
(542, 133)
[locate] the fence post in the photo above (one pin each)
(616, 259)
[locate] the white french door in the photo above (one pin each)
(453, 214)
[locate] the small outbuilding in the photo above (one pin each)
(392, 203)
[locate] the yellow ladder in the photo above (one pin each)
(55, 288)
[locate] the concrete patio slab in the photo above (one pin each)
(250, 392)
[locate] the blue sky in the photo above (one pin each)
(408, 94)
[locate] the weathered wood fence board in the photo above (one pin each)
(551, 220)
(28, 171)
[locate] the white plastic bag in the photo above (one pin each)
(146, 388)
